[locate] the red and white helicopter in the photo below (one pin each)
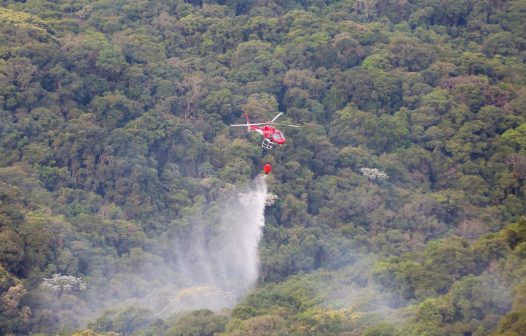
(271, 135)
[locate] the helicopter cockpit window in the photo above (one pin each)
(277, 136)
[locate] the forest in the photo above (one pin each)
(115, 137)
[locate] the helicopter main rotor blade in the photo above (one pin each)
(249, 124)
(276, 117)
(286, 125)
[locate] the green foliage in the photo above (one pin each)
(114, 127)
(516, 137)
(463, 308)
(260, 326)
(199, 322)
(380, 330)
(127, 321)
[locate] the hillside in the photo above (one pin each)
(115, 147)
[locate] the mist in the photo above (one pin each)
(210, 262)
(216, 259)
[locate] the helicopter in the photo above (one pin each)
(271, 135)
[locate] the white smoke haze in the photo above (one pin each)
(352, 288)
(211, 263)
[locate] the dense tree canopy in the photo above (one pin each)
(114, 130)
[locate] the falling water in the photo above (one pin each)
(218, 259)
(211, 263)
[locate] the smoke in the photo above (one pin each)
(210, 262)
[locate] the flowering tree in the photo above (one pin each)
(374, 173)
